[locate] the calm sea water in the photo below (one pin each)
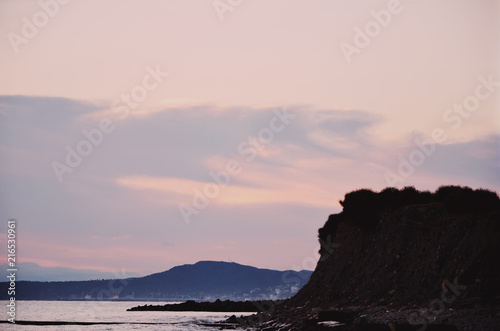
(105, 311)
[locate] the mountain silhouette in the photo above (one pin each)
(207, 280)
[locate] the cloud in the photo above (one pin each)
(284, 191)
(47, 113)
(134, 181)
(124, 237)
(477, 159)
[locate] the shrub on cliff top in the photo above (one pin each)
(365, 207)
(464, 200)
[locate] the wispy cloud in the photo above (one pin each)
(135, 180)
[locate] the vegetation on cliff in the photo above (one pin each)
(365, 207)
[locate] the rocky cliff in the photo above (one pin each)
(406, 260)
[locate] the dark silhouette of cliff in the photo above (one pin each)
(405, 250)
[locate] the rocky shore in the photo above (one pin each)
(216, 306)
(374, 317)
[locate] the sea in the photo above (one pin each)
(107, 311)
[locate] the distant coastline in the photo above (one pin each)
(202, 281)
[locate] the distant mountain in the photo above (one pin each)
(205, 280)
(34, 272)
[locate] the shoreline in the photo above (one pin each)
(372, 317)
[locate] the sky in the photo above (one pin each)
(140, 135)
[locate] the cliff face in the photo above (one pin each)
(405, 249)
(409, 258)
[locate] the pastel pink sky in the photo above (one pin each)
(119, 209)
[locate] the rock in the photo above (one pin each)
(344, 316)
